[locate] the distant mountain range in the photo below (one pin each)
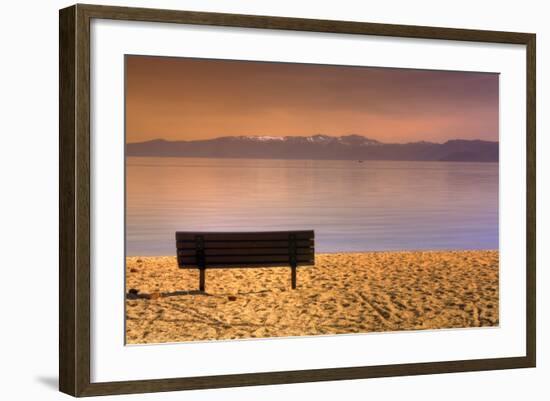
(349, 147)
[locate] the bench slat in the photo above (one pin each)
(246, 265)
(263, 259)
(245, 252)
(244, 244)
(248, 236)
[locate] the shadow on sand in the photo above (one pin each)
(135, 294)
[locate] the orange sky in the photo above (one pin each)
(188, 99)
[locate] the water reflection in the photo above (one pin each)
(374, 205)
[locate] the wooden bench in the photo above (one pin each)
(204, 250)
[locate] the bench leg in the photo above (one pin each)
(293, 277)
(202, 279)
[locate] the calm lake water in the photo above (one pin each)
(352, 206)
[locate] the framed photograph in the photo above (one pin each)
(250, 200)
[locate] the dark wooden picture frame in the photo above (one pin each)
(74, 203)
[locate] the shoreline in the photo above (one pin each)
(299, 159)
(355, 252)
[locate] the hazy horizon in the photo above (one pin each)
(195, 99)
(306, 136)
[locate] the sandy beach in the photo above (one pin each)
(342, 293)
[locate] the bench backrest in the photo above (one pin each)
(245, 249)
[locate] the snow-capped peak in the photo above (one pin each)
(349, 140)
(319, 138)
(266, 138)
